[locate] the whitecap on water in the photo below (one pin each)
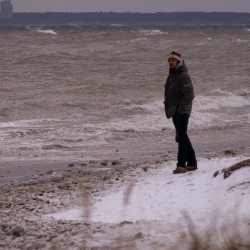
(153, 32)
(47, 32)
(238, 40)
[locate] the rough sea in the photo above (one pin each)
(84, 92)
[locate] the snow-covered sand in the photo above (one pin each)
(158, 195)
(132, 205)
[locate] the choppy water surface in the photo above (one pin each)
(65, 89)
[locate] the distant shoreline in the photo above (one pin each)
(128, 18)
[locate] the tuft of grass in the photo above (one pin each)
(86, 201)
(128, 193)
(230, 236)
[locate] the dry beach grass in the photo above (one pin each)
(228, 236)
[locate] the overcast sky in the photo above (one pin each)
(130, 5)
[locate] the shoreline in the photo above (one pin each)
(150, 148)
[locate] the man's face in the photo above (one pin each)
(172, 63)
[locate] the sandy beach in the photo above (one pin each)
(52, 204)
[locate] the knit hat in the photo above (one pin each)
(175, 55)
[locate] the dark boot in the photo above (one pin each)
(191, 168)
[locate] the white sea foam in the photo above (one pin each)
(206, 112)
(148, 122)
(220, 99)
(219, 109)
(28, 123)
(51, 134)
(116, 25)
(238, 40)
(139, 39)
(47, 32)
(153, 32)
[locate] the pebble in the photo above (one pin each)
(139, 236)
(230, 151)
(17, 231)
(92, 161)
(104, 163)
(50, 171)
(116, 162)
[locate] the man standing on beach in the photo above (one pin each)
(179, 95)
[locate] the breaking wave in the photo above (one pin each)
(47, 32)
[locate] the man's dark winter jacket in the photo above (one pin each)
(179, 92)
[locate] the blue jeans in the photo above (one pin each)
(186, 154)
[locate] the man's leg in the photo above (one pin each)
(181, 123)
(191, 158)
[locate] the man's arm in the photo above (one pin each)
(185, 105)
